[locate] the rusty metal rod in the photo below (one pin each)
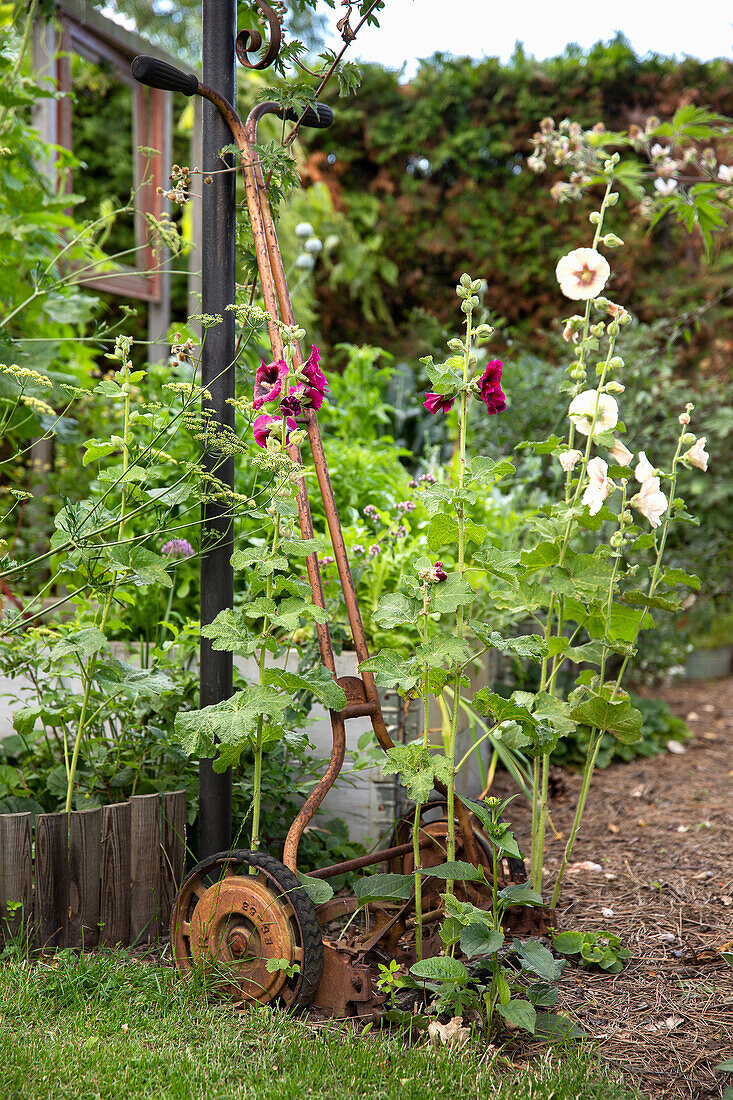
(367, 860)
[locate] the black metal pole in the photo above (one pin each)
(217, 375)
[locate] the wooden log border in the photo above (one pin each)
(105, 876)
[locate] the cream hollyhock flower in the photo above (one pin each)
(569, 460)
(697, 455)
(582, 274)
(620, 453)
(644, 469)
(583, 407)
(650, 501)
(599, 485)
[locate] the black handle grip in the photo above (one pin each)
(159, 74)
(318, 117)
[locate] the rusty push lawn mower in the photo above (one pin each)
(243, 913)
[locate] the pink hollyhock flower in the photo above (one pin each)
(489, 389)
(644, 469)
(650, 501)
(264, 425)
(582, 274)
(697, 455)
(583, 407)
(599, 485)
(620, 453)
(312, 392)
(269, 382)
(569, 460)
(438, 402)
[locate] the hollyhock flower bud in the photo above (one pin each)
(697, 455)
(582, 274)
(644, 469)
(489, 389)
(613, 387)
(599, 485)
(688, 438)
(569, 460)
(684, 419)
(573, 325)
(291, 405)
(620, 453)
(650, 501)
(582, 410)
(269, 382)
(438, 402)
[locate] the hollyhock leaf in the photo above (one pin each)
(544, 447)
(526, 645)
(262, 557)
(392, 670)
(319, 683)
(228, 633)
(443, 531)
(542, 556)
(441, 648)
(618, 717)
(502, 563)
(637, 598)
(487, 472)
(678, 576)
(452, 594)
(394, 609)
(438, 497)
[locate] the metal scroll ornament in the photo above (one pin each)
(250, 41)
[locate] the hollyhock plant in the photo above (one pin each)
(438, 402)
(269, 381)
(592, 412)
(582, 274)
(311, 392)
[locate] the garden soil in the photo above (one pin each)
(661, 830)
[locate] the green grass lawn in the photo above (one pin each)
(110, 1026)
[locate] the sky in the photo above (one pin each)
(411, 29)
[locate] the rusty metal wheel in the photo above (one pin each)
(236, 911)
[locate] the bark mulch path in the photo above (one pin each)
(662, 831)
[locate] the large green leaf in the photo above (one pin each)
(232, 721)
(383, 887)
(318, 681)
(316, 889)
(455, 869)
(261, 557)
(538, 960)
(520, 894)
(441, 968)
(617, 716)
(395, 609)
(519, 1013)
(449, 595)
(477, 939)
(228, 633)
(79, 643)
(532, 646)
(443, 531)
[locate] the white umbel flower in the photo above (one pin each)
(582, 274)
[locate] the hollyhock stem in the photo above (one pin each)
(451, 853)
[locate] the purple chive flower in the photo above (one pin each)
(406, 506)
(438, 402)
(413, 484)
(177, 548)
(374, 550)
(489, 389)
(428, 479)
(371, 513)
(328, 560)
(266, 424)
(401, 532)
(357, 549)
(269, 382)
